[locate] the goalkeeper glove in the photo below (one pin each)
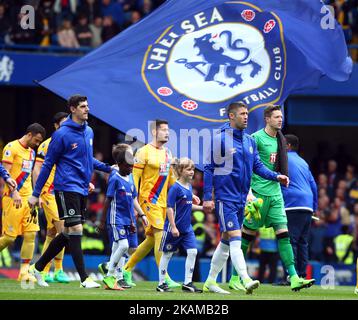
(252, 209)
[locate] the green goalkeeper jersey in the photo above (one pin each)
(267, 148)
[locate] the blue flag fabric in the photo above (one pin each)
(189, 59)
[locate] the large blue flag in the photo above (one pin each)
(189, 59)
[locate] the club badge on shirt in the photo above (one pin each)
(26, 166)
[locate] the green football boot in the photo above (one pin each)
(60, 277)
(48, 278)
(171, 283)
(298, 283)
(235, 284)
(102, 268)
(127, 276)
(111, 283)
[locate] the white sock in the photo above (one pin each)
(114, 246)
(189, 265)
(120, 265)
(220, 256)
(237, 258)
(114, 249)
(122, 247)
(163, 266)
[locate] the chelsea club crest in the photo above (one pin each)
(232, 52)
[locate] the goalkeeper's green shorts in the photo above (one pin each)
(272, 213)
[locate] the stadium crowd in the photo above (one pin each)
(71, 23)
(89, 23)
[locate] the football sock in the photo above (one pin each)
(245, 243)
(142, 250)
(28, 245)
(157, 240)
(189, 265)
(5, 241)
(59, 260)
(46, 244)
(286, 253)
(237, 257)
(220, 256)
(120, 266)
(122, 248)
(163, 266)
(56, 245)
(74, 244)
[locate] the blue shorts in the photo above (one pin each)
(229, 214)
(120, 232)
(171, 244)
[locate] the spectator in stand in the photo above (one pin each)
(65, 9)
(97, 206)
(83, 32)
(352, 197)
(134, 17)
(322, 181)
(128, 5)
(343, 158)
(66, 35)
(350, 175)
(91, 9)
(269, 255)
(92, 242)
(334, 225)
(146, 7)
(213, 234)
(18, 35)
(99, 180)
(340, 193)
(333, 177)
(355, 228)
(110, 29)
(198, 183)
(344, 213)
(96, 29)
(322, 192)
(318, 230)
(113, 9)
(12, 7)
(46, 15)
(319, 161)
(4, 24)
(344, 246)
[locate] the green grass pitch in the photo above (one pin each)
(11, 290)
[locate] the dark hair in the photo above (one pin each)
(234, 106)
(293, 141)
(155, 124)
(269, 109)
(59, 116)
(75, 100)
(120, 153)
(36, 128)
